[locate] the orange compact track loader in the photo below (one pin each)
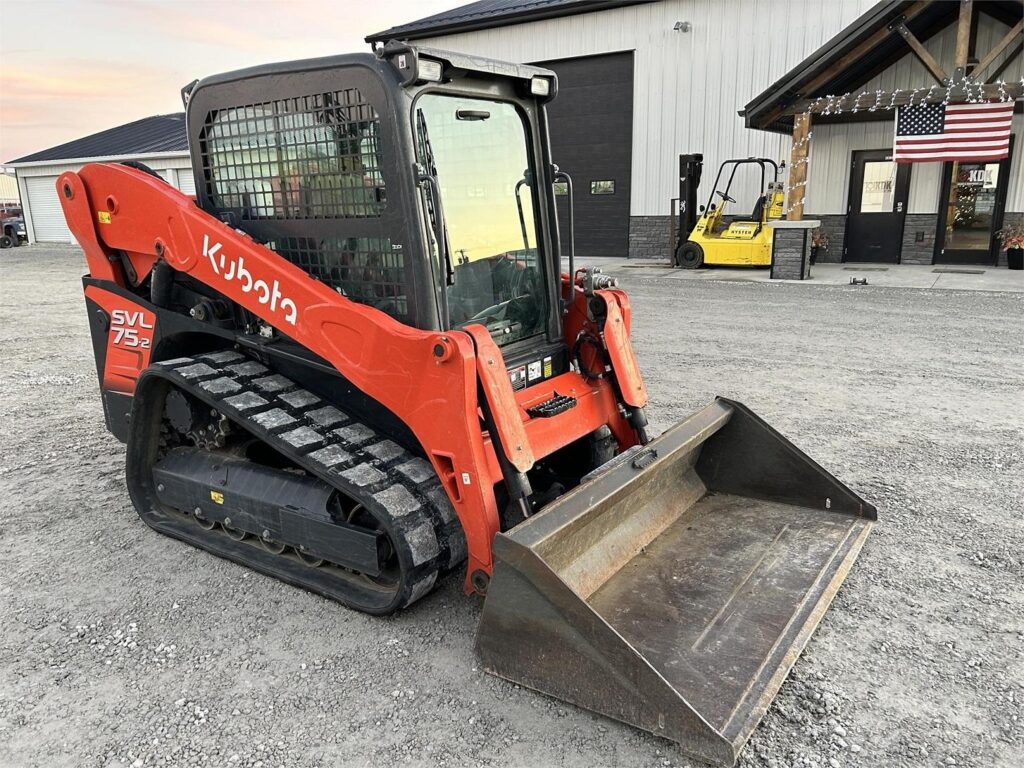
(353, 362)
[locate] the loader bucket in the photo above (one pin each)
(674, 588)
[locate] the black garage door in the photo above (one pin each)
(592, 140)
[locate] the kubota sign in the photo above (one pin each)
(232, 268)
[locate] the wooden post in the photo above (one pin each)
(798, 166)
(963, 39)
(963, 42)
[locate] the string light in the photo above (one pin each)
(831, 104)
(964, 90)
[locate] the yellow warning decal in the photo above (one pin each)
(103, 216)
(217, 497)
(547, 367)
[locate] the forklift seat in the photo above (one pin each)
(759, 209)
(754, 218)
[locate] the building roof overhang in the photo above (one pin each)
(858, 53)
(488, 14)
(149, 137)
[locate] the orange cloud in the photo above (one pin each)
(75, 67)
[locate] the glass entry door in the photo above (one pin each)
(971, 212)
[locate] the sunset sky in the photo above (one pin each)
(69, 68)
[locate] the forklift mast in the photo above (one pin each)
(690, 167)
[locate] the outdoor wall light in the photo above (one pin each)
(682, 26)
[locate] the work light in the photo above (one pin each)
(540, 86)
(430, 70)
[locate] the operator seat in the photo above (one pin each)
(759, 209)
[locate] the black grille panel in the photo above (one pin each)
(307, 157)
(272, 165)
(363, 269)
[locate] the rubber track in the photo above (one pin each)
(399, 489)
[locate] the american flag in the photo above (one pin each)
(928, 133)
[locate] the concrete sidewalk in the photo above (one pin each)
(956, 278)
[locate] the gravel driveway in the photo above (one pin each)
(121, 647)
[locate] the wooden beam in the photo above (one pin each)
(903, 96)
(1013, 35)
(922, 53)
(963, 39)
(798, 166)
(1007, 61)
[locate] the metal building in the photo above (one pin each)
(642, 82)
(159, 142)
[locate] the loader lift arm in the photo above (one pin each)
(111, 209)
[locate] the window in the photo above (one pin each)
(308, 157)
(972, 206)
(478, 152)
(605, 187)
(368, 270)
(876, 194)
(561, 188)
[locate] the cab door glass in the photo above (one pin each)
(478, 151)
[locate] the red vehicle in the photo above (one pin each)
(353, 362)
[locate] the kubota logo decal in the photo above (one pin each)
(233, 269)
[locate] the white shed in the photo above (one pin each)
(159, 142)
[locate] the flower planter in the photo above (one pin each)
(1015, 258)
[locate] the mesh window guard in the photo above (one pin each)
(363, 269)
(307, 157)
(314, 157)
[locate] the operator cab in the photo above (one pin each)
(413, 180)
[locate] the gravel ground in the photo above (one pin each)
(121, 647)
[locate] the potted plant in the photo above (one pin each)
(819, 242)
(1012, 238)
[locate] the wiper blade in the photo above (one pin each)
(437, 222)
(435, 210)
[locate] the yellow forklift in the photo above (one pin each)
(717, 238)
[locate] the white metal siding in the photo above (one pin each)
(688, 87)
(186, 181)
(47, 215)
(1015, 192)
